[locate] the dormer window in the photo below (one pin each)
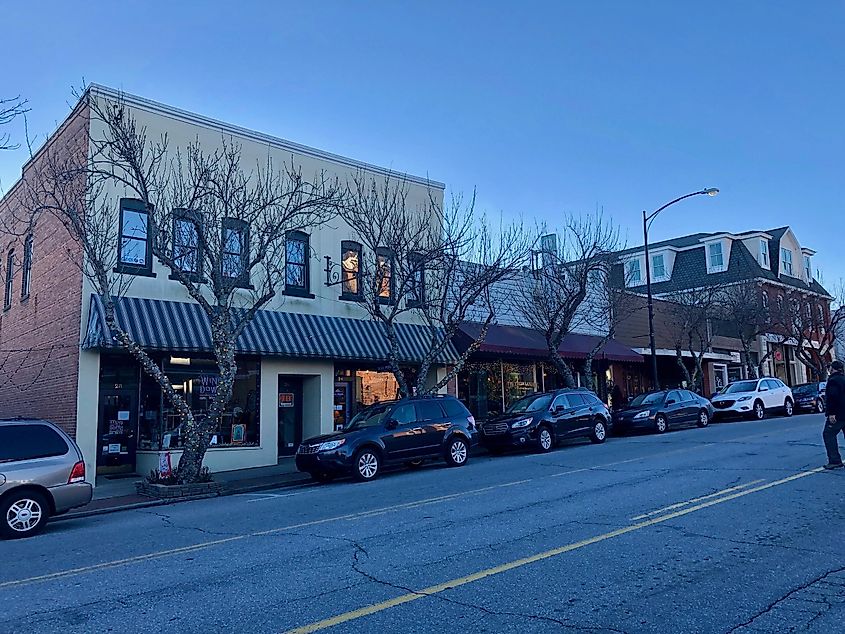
(716, 258)
(786, 261)
(808, 269)
(633, 272)
(764, 253)
(658, 266)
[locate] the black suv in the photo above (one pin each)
(408, 431)
(540, 420)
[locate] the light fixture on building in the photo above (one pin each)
(180, 361)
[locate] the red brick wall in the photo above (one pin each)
(39, 336)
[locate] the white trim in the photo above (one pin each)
(666, 352)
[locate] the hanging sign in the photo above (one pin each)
(285, 399)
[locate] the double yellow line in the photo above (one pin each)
(519, 563)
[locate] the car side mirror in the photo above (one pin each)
(558, 409)
(391, 424)
(670, 401)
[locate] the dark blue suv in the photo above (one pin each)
(409, 431)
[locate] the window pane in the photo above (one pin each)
(134, 224)
(233, 241)
(384, 266)
(576, 400)
(133, 251)
(295, 275)
(295, 251)
(561, 401)
(25, 442)
(454, 409)
(232, 265)
(349, 267)
(428, 410)
(404, 414)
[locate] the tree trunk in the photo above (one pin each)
(679, 357)
(562, 367)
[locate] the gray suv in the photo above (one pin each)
(41, 474)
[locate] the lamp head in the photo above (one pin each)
(711, 191)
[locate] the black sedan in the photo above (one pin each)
(810, 397)
(660, 410)
(539, 421)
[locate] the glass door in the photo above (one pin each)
(290, 414)
(117, 432)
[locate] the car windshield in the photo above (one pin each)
(807, 388)
(741, 386)
(530, 404)
(370, 417)
(649, 399)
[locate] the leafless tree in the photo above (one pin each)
(436, 264)
(741, 313)
(219, 225)
(563, 270)
(10, 109)
(689, 316)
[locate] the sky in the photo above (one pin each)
(544, 108)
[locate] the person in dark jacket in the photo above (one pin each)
(835, 423)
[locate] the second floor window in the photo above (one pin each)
(416, 288)
(235, 250)
(764, 252)
(296, 262)
(384, 274)
(808, 269)
(186, 244)
(633, 273)
(10, 278)
(786, 261)
(26, 271)
(658, 266)
(717, 259)
(350, 269)
(134, 255)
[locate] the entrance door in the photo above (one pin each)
(342, 390)
(290, 414)
(117, 431)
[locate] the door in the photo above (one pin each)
(405, 441)
(675, 409)
(563, 415)
(117, 431)
(342, 394)
(435, 424)
(581, 414)
(290, 414)
(771, 397)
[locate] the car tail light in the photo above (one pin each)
(77, 474)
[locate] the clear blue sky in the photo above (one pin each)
(545, 107)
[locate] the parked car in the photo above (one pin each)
(664, 409)
(42, 474)
(541, 420)
(753, 398)
(408, 431)
(810, 396)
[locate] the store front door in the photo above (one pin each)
(117, 432)
(290, 414)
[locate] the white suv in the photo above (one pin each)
(754, 398)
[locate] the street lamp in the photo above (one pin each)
(647, 220)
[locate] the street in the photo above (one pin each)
(732, 528)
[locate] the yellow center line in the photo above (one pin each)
(672, 507)
(518, 563)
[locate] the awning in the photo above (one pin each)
(526, 342)
(183, 327)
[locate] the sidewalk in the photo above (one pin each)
(117, 494)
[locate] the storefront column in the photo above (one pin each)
(87, 410)
(502, 380)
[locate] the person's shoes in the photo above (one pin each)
(834, 465)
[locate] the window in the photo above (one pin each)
(764, 252)
(416, 290)
(634, 275)
(808, 313)
(404, 414)
(808, 269)
(235, 250)
(716, 258)
(454, 409)
(26, 273)
(428, 410)
(674, 395)
(561, 401)
(820, 315)
(577, 400)
(297, 251)
(786, 261)
(658, 266)
(765, 299)
(134, 252)
(772, 384)
(350, 269)
(384, 273)
(10, 278)
(186, 243)
(28, 442)
(780, 303)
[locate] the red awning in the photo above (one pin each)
(527, 342)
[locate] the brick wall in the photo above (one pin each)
(40, 335)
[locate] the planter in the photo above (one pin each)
(173, 491)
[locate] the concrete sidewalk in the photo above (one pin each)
(117, 494)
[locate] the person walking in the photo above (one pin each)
(835, 422)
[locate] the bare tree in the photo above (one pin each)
(689, 317)
(10, 109)
(220, 226)
(433, 263)
(563, 270)
(742, 313)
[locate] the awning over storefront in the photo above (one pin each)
(183, 327)
(526, 342)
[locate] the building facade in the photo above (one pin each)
(305, 363)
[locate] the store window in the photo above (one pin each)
(297, 249)
(135, 254)
(372, 387)
(196, 379)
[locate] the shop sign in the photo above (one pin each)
(205, 385)
(285, 399)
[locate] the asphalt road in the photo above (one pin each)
(732, 528)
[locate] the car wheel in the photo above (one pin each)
(23, 514)
(759, 410)
(660, 424)
(788, 408)
(414, 464)
(820, 406)
(457, 452)
(367, 465)
(599, 433)
(703, 418)
(323, 477)
(545, 440)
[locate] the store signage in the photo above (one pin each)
(205, 385)
(285, 399)
(238, 433)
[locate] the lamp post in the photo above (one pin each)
(647, 220)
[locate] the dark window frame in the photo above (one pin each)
(10, 279)
(351, 245)
(415, 260)
(193, 217)
(21, 430)
(384, 252)
(235, 224)
(26, 268)
(305, 289)
(146, 270)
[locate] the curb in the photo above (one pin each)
(225, 491)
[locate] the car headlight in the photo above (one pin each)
(332, 444)
(743, 398)
(642, 415)
(525, 422)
